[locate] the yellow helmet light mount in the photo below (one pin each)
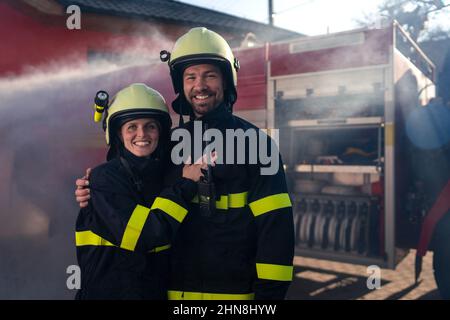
(101, 103)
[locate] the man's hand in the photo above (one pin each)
(82, 192)
(195, 171)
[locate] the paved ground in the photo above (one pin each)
(319, 279)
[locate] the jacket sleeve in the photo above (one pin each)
(271, 206)
(116, 219)
(168, 210)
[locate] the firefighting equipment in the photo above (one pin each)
(132, 102)
(206, 194)
(101, 102)
(206, 191)
(199, 46)
(337, 224)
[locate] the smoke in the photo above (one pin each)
(48, 139)
(351, 91)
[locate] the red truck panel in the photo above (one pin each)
(374, 50)
(252, 84)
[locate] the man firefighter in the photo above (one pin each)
(238, 240)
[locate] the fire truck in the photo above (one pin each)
(365, 144)
(364, 140)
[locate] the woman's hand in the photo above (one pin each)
(82, 192)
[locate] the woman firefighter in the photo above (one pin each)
(124, 233)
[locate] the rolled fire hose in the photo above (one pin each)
(317, 234)
(332, 228)
(310, 229)
(354, 236)
(325, 239)
(348, 234)
(322, 224)
(303, 226)
(342, 233)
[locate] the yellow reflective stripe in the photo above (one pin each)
(222, 203)
(270, 203)
(173, 209)
(88, 238)
(274, 272)
(237, 200)
(134, 227)
(183, 295)
(159, 249)
(232, 200)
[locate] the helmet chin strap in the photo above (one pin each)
(181, 104)
(181, 121)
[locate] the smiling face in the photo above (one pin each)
(203, 87)
(140, 136)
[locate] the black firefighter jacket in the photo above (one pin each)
(245, 250)
(122, 236)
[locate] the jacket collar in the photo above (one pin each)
(216, 117)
